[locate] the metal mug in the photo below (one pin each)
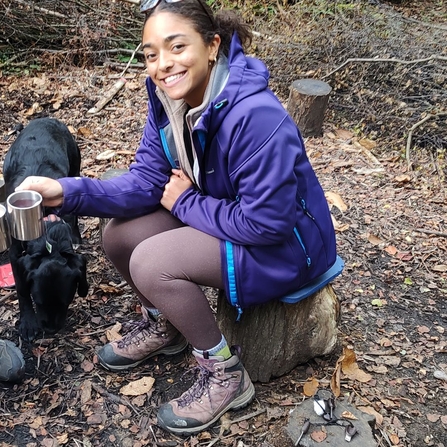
(25, 215)
(5, 236)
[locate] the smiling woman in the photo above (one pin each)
(221, 194)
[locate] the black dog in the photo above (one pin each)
(47, 271)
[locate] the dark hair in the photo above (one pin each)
(207, 24)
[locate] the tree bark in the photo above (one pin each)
(276, 337)
(307, 105)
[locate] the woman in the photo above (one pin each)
(239, 208)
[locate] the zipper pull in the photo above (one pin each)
(306, 211)
(239, 313)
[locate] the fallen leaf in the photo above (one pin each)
(336, 200)
(348, 415)
(318, 436)
(373, 412)
(433, 417)
(391, 250)
(375, 240)
(96, 419)
(394, 439)
(368, 144)
(343, 134)
(138, 387)
(404, 178)
(106, 155)
(351, 369)
(49, 442)
(339, 226)
(87, 366)
(404, 256)
(335, 379)
(310, 387)
(85, 132)
(86, 391)
(36, 423)
(62, 439)
(113, 333)
(440, 268)
(35, 108)
(377, 302)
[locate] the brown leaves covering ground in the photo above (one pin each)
(391, 231)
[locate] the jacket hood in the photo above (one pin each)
(247, 76)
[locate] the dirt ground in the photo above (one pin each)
(391, 231)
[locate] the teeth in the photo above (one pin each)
(173, 78)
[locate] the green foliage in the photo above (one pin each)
(125, 59)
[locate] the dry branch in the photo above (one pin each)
(412, 129)
(114, 90)
(393, 60)
(44, 10)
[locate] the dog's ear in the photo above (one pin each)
(78, 264)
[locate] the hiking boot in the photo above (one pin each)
(12, 364)
(221, 385)
(144, 339)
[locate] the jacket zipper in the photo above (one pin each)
(232, 289)
(300, 240)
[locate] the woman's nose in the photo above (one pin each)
(165, 62)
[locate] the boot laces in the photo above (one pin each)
(137, 331)
(204, 382)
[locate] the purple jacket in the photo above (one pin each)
(259, 194)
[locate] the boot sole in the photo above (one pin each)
(242, 401)
(168, 350)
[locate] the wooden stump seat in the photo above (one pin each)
(277, 336)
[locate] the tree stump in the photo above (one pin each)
(307, 104)
(276, 337)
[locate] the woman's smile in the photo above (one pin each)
(171, 79)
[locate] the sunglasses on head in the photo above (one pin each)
(147, 5)
(151, 4)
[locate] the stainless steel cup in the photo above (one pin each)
(5, 236)
(25, 215)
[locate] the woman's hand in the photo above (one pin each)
(177, 185)
(49, 189)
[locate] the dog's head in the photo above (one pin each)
(53, 273)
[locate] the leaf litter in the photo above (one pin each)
(392, 359)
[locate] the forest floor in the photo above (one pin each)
(389, 206)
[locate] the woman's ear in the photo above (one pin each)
(214, 48)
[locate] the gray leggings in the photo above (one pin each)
(164, 262)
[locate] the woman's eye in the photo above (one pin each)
(178, 47)
(150, 56)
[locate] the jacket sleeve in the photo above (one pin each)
(133, 194)
(265, 157)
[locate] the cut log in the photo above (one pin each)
(307, 105)
(276, 337)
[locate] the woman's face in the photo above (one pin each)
(177, 59)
